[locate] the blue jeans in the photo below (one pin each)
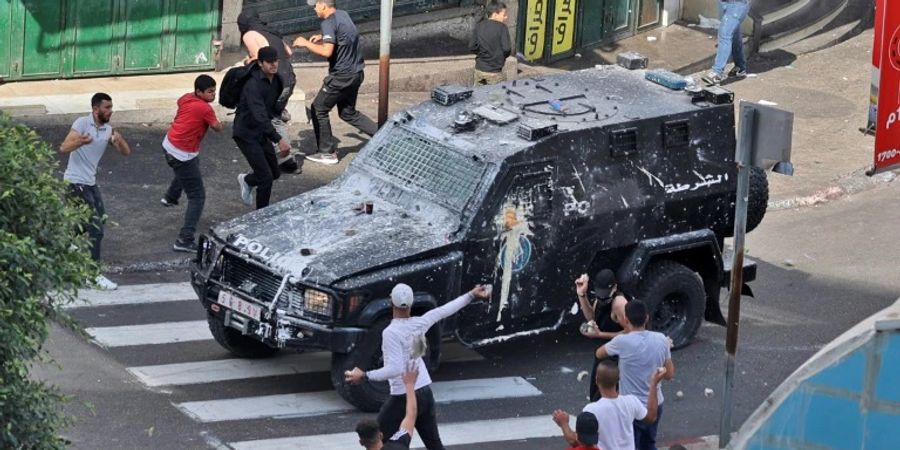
(731, 13)
(645, 433)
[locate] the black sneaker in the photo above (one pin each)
(168, 203)
(737, 72)
(186, 247)
(324, 158)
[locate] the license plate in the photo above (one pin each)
(244, 307)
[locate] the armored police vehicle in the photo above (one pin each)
(524, 185)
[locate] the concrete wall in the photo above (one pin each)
(230, 36)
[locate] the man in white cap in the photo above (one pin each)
(397, 341)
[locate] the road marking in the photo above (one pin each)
(329, 402)
(135, 294)
(154, 333)
(460, 433)
(199, 372)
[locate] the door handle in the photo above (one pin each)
(15, 67)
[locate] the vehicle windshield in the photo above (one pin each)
(425, 165)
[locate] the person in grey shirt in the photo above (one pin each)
(85, 144)
(640, 352)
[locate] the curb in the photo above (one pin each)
(854, 183)
(697, 443)
(152, 266)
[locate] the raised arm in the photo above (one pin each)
(562, 420)
(409, 420)
(73, 141)
(119, 143)
(432, 317)
(652, 400)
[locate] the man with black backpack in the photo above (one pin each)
(253, 130)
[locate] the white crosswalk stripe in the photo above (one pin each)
(461, 433)
(199, 372)
(135, 294)
(154, 333)
(329, 402)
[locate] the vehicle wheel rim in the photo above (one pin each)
(671, 314)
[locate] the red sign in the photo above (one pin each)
(887, 48)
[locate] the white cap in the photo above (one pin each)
(402, 296)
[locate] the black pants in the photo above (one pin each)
(340, 91)
(394, 409)
(289, 81)
(188, 179)
(90, 195)
(264, 163)
(645, 433)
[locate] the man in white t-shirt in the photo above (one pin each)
(615, 413)
(641, 353)
(397, 343)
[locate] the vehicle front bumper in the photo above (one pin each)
(280, 330)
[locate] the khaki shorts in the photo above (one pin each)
(483, 78)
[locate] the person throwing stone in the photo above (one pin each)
(397, 341)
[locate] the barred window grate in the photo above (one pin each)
(448, 176)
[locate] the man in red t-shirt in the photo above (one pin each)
(181, 147)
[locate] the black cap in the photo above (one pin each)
(604, 280)
(586, 428)
(267, 54)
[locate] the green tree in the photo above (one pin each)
(44, 259)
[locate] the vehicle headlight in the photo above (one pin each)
(317, 302)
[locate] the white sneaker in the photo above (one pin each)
(246, 190)
(105, 284)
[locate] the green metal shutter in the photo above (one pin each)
(195, 23)
(6, 32)
(78, 38)
(91, 36)
(42, 39)
(144, 31)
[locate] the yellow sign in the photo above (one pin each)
(563, 26)
(535, 29)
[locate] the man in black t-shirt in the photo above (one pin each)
(491, 45)
(603, 309)
(370, 435)
(339, 42)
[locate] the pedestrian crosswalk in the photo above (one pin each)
(289, 385)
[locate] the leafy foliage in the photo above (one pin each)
(44, 259)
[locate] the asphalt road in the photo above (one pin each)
(822, 269)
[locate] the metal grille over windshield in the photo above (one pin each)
(450, 177)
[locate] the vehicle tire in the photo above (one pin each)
(757, 203)
(675, 300)
(369, 395)
(433, 357)
(236, 343)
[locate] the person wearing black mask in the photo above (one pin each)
(256, 34)
(253, 130)
(603, 309)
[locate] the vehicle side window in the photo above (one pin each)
(532, 193)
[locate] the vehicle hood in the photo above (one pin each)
(319, 238)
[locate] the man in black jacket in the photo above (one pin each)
(339, 42)
(491, 45)
(253, 130)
